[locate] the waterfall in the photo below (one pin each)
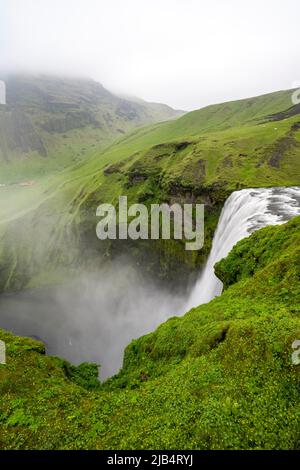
(93, 318)
(244, 212)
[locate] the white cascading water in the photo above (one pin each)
(244, 212)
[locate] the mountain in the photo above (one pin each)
(200, 157)
(62, 119)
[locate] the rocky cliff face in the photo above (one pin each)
(201, 157)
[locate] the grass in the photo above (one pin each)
(50, 123)
(221, 377)
(200, 157)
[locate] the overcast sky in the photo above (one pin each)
(186, 53)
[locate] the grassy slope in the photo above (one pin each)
(220, 377)
(51, 123)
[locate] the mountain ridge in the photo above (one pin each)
(220, 377)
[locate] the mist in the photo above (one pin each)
(187, 54)
(93, 318)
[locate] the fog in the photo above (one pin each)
(184, 53)
(93, 318)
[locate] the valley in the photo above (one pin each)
(198, 372)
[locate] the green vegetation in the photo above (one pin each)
(50, 123)
(201, 157)
(221, 377)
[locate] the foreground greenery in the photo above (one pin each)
(200, 157)
(221, 377)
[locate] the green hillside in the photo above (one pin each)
(49, 123)
(200, 157)
(221, 377)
